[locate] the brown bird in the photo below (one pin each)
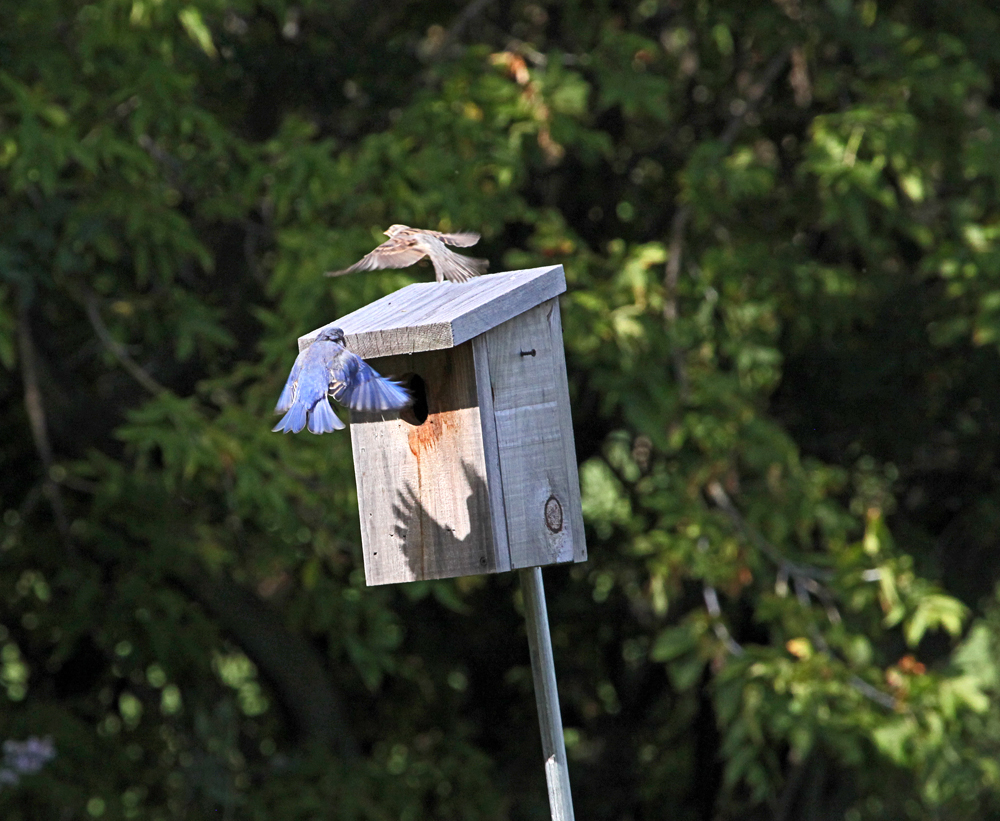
(406, 246)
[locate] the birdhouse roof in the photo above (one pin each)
(428, 316)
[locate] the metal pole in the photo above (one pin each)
(543, 671)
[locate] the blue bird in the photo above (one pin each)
(327, 367)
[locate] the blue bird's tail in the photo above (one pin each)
(323, 419)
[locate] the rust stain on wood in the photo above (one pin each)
(428, 435)
(425, 436)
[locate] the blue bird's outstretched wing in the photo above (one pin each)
(291, 390)
(359, 387)
(287, 398)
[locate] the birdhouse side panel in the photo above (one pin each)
(423, 489)
(536, 487)
(566, 427)
(535, 439)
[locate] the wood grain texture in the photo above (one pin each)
(491, 451)
(424, 490)
(429, 316)
(531, 403)
(566, 428)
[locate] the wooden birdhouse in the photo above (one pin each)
(479, 475)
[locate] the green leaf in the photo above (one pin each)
(672, 643)
(196, 29)
(934, 611)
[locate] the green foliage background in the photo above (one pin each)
(780, 223)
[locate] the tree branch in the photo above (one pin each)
(117, 350)
(804, 581)
(677, 228)
(786, 567)
(754, 97)
(285, 659)
(472, 10)
(678, 225)
(437, 47)
(34, 406)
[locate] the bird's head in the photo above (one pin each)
(392, 230)
(332, 335)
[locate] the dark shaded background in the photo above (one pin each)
(778, 223)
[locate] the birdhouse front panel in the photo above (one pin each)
(423, 483)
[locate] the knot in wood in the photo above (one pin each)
(553, 514)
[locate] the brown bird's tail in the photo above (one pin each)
(457, 268)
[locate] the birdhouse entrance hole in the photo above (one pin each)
(416, 413)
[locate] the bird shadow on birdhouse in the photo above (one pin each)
(426, 544)
(479, 474)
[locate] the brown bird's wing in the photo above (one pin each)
(462, 239)
(398, 252)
